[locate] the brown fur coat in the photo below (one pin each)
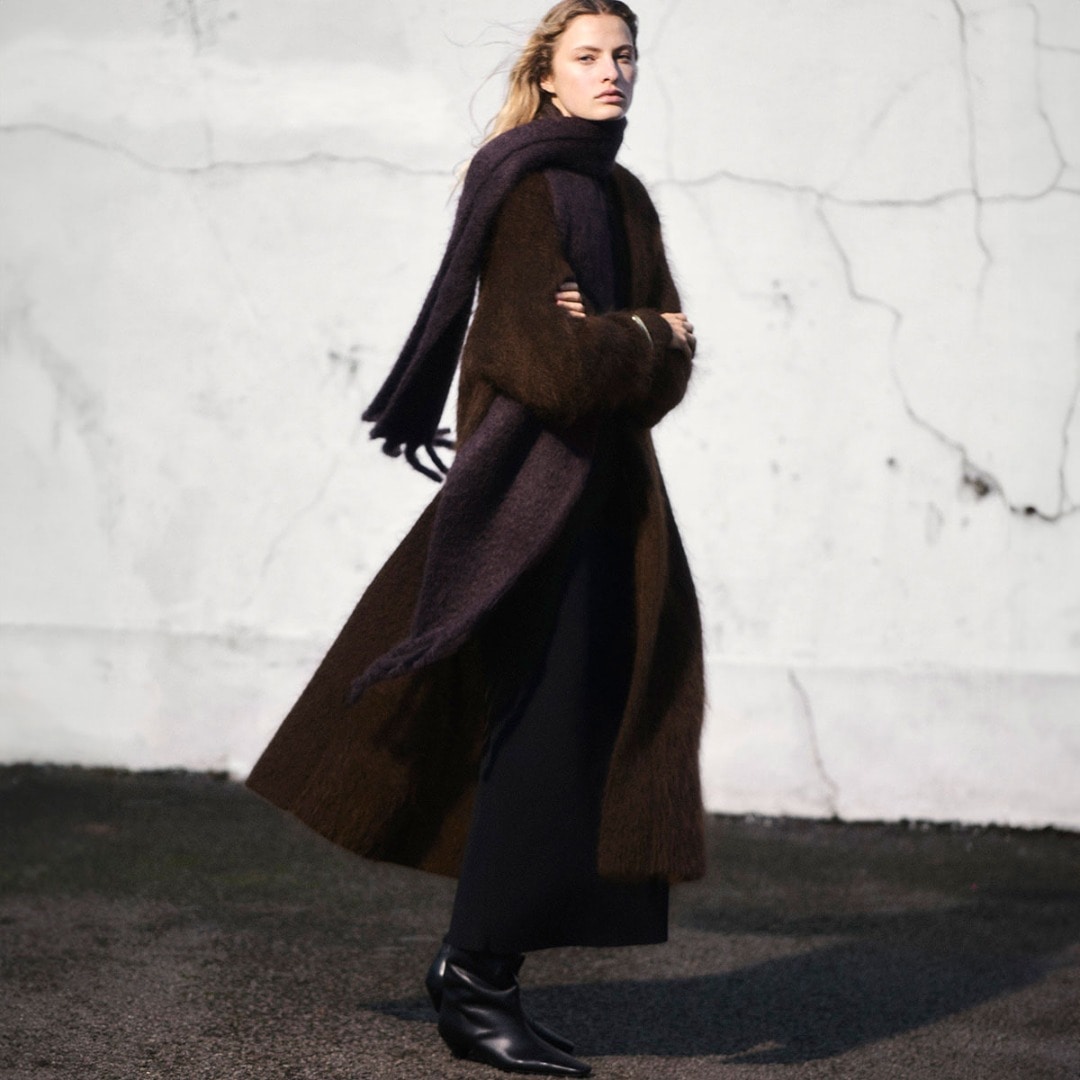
(393, 775)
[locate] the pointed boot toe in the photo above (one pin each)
(484, 1022)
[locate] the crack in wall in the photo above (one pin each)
(199, 44)
(980, 480)
(195, 24)
(877, 120)
(199, 19)
(78, 407)
(1067, 505)
(983, 482)
(235, 638)
(974, 476)
(1040, 97)
(831, 792)
(314, 158)
(896, 315)
(294, 520)
(240, 284)
(973, 147)
(1046, 47)
(828, 196)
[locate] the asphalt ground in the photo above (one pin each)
(174, 925)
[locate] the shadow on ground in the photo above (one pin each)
(817, 1004)
(174, 925)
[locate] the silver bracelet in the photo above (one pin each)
(641, 322)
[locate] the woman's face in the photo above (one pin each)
(593, 68)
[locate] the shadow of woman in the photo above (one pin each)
(887, 975)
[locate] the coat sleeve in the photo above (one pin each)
(671, 376)
(564, 369)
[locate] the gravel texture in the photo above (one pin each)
(173, 925)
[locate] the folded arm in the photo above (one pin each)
(557, 358)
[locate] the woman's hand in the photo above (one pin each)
(569, 297)
(682, 333)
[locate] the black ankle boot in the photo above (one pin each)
(433, 981)
(481, 1018)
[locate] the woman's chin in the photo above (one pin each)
(607, 110)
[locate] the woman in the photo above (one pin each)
(517, 698)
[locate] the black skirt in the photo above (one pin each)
(558, 665)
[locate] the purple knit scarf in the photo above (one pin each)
(408, 406)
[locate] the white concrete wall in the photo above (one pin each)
(218, 219)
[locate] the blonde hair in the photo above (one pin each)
(523, 95)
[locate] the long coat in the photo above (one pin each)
(392, 775)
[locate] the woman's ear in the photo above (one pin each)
(547, 85)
